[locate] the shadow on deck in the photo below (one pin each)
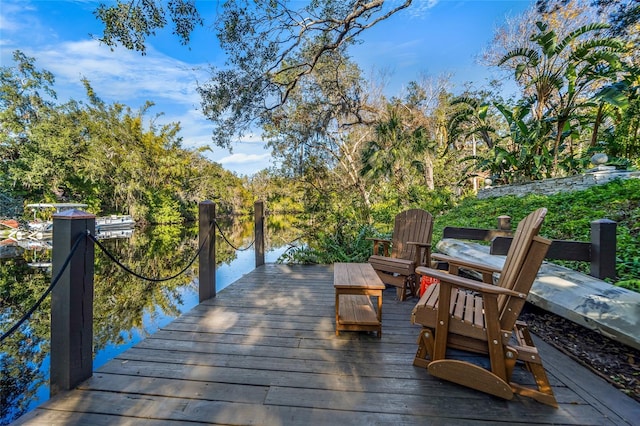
(264, 351)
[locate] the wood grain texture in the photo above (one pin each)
(264, 352)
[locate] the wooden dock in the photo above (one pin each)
(265, 352)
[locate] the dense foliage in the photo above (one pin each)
(569, 218)
(108, 156)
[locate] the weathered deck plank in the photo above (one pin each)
(264, 351)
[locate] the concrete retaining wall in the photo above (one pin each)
(597, 176)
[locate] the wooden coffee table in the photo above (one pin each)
(355, 284)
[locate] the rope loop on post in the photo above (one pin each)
(55, 281)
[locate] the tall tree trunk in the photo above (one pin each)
(428, 173)
(596, 126)
(556, 146)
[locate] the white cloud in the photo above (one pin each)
(252, 138)
(419, 7)
(12, 18)
(122, 75)
(242, 163)
(244, 159)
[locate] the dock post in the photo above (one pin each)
(603, 248)
(504, 223)
(207, 256)
(72, 300)
(258, 207)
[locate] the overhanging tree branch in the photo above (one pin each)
(270, 46)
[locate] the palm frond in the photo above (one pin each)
(530, 55)
(578, 32)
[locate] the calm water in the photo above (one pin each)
(126, 308)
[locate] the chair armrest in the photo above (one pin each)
(380, 240)
(456, 263)
(376, 243)
(423, 253)
(468, 284)
(416, 243)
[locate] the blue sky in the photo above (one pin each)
(432, 38)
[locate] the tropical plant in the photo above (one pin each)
(562, 75)
(470, 117)
(619, 110)
(400, 155)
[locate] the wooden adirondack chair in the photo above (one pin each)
(410, 247)
(482, 318)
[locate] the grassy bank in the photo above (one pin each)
(569, 218)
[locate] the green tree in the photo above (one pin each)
(619, 110)
(561, 76)
(318, 135)
(271, 47)
(470, 119)
(130, 23)
(425, 105)
(107, 155)
(392, 157)
(26, 99)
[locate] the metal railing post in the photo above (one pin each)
(72, 301)
(258, 207)
(207, 256)
(603, 248)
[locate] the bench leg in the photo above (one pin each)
(337, 313)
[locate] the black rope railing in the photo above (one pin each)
(135, 274)
(54, 281)
(229, 242)
(93, 238)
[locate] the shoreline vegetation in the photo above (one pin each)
(348, 157)
(568, 218)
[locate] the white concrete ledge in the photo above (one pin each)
(597, 176)
(583, 299)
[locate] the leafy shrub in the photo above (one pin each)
(345, 244)
(569, 218)
(342, 238)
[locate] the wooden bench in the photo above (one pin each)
(355, 284)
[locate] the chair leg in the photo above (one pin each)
(425, 348)
(511, 357)
(412, 284)
(407, 289)
(533, 362)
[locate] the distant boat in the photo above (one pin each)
(114, 222)
(40, 226)
(59, 207)
(106, 223)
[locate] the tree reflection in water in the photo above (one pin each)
(126, 308)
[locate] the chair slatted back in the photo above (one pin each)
(410, 225)
(521, 265)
